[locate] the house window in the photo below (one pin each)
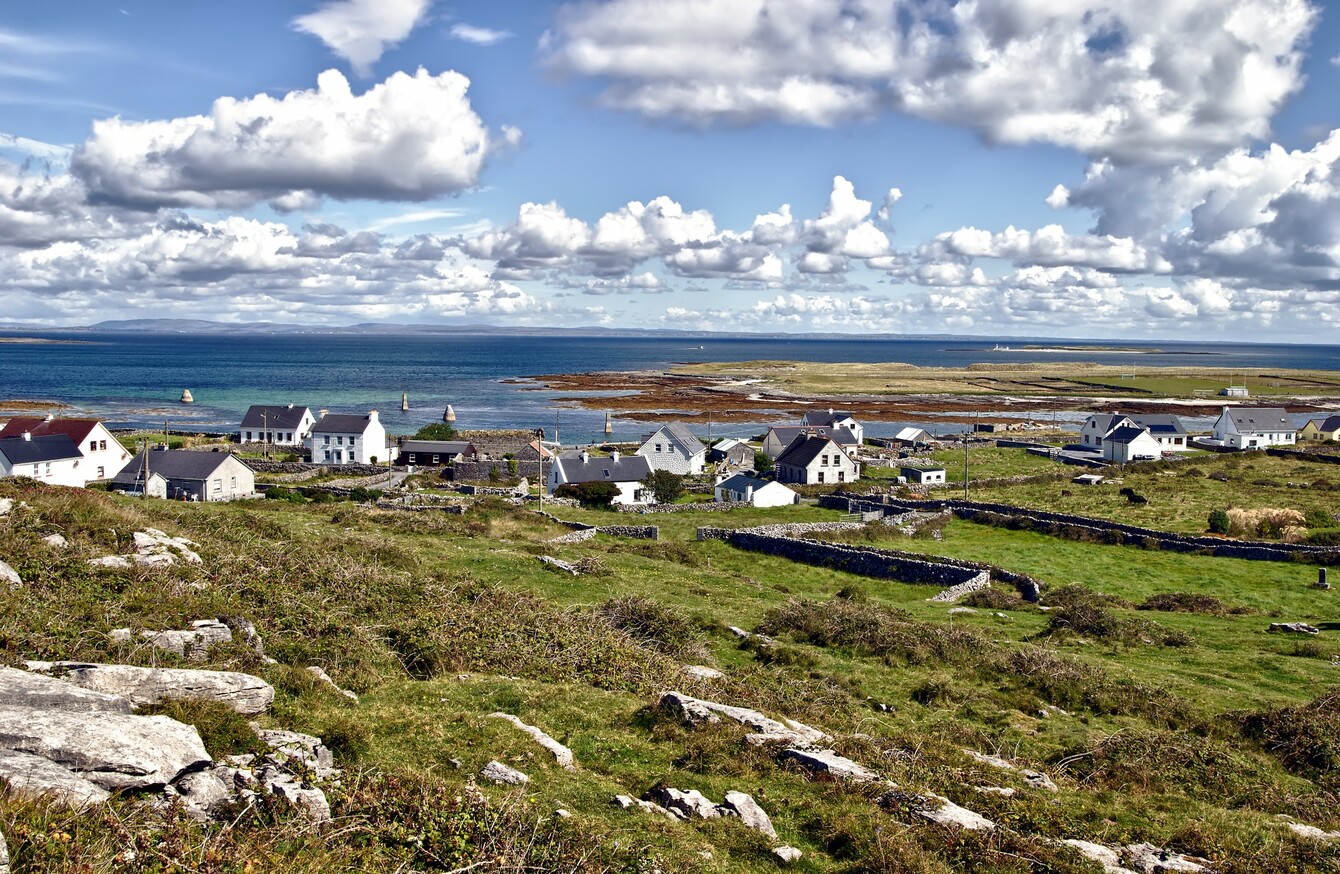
(233, 484)
(821, 476)
(327, 441)
(102, 444)
(823, 461)
(339, 441)
(101, 473)
(92, 446)
(658, 447)
(327, 455)
(434, 459)
(248, 435)
(842, 476)
(218, 485)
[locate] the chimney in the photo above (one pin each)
(290, 406)
(321, 414)
(614, 456)
(27, 435)
(372, 415)
(51, 417)
(585, 456)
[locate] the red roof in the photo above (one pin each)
(75, 429)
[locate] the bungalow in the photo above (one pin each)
(53, 459)
(833, 419)
(674, 447)
(103, 454)
(814, 460)
(435, 452)
(744, 489)
(625, 471)
(780, 437)
(1128, 442)
(732, 452)
(1254, 427)
(1321, 429)
(277, 425)
(1167, 431)
(184, 475)
(350, 439)
(924, 475)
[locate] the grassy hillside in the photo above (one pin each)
(1190, 730)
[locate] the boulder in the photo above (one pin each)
(561, 754)
(628, 802)
(787, 855)
(30, 776)
(311, 800)
(324, 678)
(205, 793)
(24, 689)
(1002, 791)
(496, 772)
(115, 750)
(152, 542)
(696, 711)
(56, 541)
(831, 764)
(9, 576)
(194, 642)
(701, 672)
(1312, 832)
(6, 506)
(1107, 857)
(112, 561)
(690, 804)
(746, 808)
(1293, 628)
(1035, 779)
(1150, 859)
(288, 747)
(941, 810)
(244, 693)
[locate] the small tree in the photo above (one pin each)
(1219, 522)
(665, 485)
(594, 494)
(436, 431)
(762, 463)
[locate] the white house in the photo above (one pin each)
(833, 419)
(1166, 431)
(350, 439)
(1254, 427)
(52, 459)
(185, 475)
(625, 471)
(815, 460)
(104, 456)
(277, 425)
(674, 447)
(759, 492)
(780, 437)
(924, 475)
(1128, 442)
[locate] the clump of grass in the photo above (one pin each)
(872, 629)
(1092, 621)
(993, 598)
(1306, 737)
(224, 731)
(1076, 595)
(1187, 602)
(654, 625)
(1071, 684)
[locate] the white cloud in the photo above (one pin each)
(1048, 246)
(1134, 81)
(480, 36)
(361, 30)
(408, 138)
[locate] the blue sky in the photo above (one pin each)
(1022, 167)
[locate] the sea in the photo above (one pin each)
(135, 380)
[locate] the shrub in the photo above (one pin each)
(665, 485)
(1218, 522)
(1185, 602)
(872, 629)
(1076, 595)
(762, 463)
(593, 494)
(436, 431)
(654, 625)
(1305, 737)
(993, 599)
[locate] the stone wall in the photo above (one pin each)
(307, 467)
(1096, 529)
(1299, 455)
(473, 471)
(696, 507)
(635, 532)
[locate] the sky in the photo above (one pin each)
(1041, 168)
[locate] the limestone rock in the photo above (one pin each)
(112, 561)
(205, 792)
(949, 813)
(152, 542)
(787, 855)
(701, 672)
(30, 776)
(56, 541)
(690, 804)
(6, 506)
(1293, 628)
(1002, 791)
(1150, 859)
(113, 750)
(325, 679)
(244, 693)
(1109, 858)
(4, 849)
(1311, 831)
(961, 611)
(744, 806)
(1035, 779)
(309, 799)
(561, 754)
(628, 802)
(10, 576)
(495, 771)
(24, 689)
(696, 711)
(247, 631)
(830, 763)
(194, 642)
(293, 746)
(558, 564)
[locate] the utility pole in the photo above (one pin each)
(966, 438)
(144, 489)
(265, 433)
(539, 455)
(557, 442)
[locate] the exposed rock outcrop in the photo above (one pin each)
(9, 577)
(496, 772)
(31, 776)
(25, 689)
(744, 806)
(324, 678)
(830, 764)
(192, 643)
(696, 711)
(561, 754)
(244, 693)
(1035, 779)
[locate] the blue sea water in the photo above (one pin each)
(136, 380)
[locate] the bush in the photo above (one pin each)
(653, 624)
(664, 485)
(993, 599)
(873, 629)
(1305, 737)
(436, 431)
(762, 463)
(594, 494)
(1186, 602)
(1218, 522)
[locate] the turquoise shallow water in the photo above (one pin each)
(136, 380)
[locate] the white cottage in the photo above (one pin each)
(350, 439)
(923, 475)
(832, 419)
(103, 455)
(52, 459)
(185, 475)
(278, 425)
(1254, 427)
(744, 489)
(816, 460)
(780, 437)
(674, 447)
(1129, 442)
(1168, 432)
(626, 472)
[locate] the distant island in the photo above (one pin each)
(1134, 350)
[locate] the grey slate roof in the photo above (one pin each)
(823, 417)
(1124, 434)
(441, 447)
(788, 434)
(1331, 423)
(599, 468)
(740, 482)
(803, 451)
(1160, 424)
(273, 417)
(681, 435)
(1260, 418)
(55, 447)
(340, 423)
(179, 464)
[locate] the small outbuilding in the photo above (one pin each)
(924, 475)
(744, 489)
(435, 452)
